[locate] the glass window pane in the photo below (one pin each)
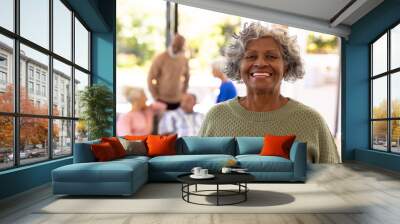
(34, 96)
(62, 141)
(379, 55)
(395, 47)
(7, 14)
(33, 139)
(35, 21)
(6, 142)
(379, 97)
(379, 135)
(62, 89)
(62, 29)
(395, 94)
(81, 81)
(81, 131)
(81, 45)
(395, 138)
(6, 74)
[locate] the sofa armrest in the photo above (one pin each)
(83, 152)
(298, 155)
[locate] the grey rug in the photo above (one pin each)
(166, 198)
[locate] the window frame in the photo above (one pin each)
(388, 74)
(16, 114)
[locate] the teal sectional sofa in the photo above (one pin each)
(125, 176)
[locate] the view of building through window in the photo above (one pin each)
(34, 119)
(207, 33)
(385, 78)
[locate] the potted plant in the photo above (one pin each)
(96, 103)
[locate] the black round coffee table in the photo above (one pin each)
(238, 179)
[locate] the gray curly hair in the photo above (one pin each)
(289, 49)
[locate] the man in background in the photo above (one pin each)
(169, 74)
(183, 121)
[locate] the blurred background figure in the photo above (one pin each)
(169, 74)
(183, 121)
(138, 121)
(226, 90)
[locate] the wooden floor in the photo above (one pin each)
(378, 188)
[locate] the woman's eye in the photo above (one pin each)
(272, 56)
(250, 56)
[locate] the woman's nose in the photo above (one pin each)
(260, 62)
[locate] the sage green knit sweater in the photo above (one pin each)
(231, 119)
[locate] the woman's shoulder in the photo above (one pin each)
(220, 109)
(223, 106)
(299, 109)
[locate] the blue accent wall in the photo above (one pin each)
(104, 52)
(100, 17)
(355, 91)
(24, 178)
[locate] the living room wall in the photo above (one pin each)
(355, 82)
(100, 16)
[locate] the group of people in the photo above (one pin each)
(173, 109)
(260, 57)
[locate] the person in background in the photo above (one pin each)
(168, 77)
(262, 58)
(227, 90)
(138, 121)
(183, 121)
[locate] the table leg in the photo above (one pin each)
(217, 194)
(245, 193)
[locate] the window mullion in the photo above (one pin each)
(73, 82)
(389, 106)
(50, 81)
(16, 84)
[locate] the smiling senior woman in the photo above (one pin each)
(262, 57)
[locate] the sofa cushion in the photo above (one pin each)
(131, 158)
(194, 145)
(134, 147)
(103, 152)
(83, 152)
(185, 163)
(277, 145)
(136, 137)
(257, 163)
(112, 171)
(116, 145)
(161, 145)
(249, 145)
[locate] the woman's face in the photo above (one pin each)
(262, 67)
(140, 101)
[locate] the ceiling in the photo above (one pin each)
(326, 16)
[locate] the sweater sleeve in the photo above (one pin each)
(208, 126)
(152, 78)
(327, 150)
(186, 77)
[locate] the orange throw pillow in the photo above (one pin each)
(103, 152)
(135, 137)
(116, 145)
(161, 145)
(277, 145)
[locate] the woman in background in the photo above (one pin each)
(139, 120)
(227, 90)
